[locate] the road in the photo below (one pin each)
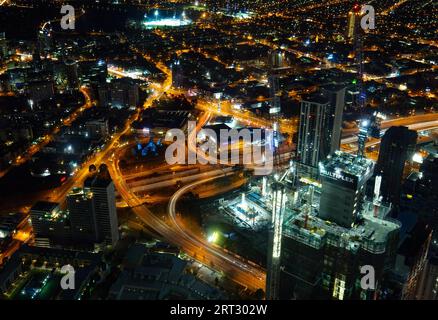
(27, 155)
(103, 156)
(422, 126)
(242, 272)
(239, 271)
(403, 121)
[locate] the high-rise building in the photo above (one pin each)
(104, 207)
(40, 90)
(120, 93)
(397, 145)
(50, 224)
(428, 283)
(420, 192)
(177, 74)
(71, 71)
(80, 205)
(276, 62)
(336, 95)
(3, 46)
(103, 94)
(124, 93)
(97, 128)
(354, 17)
(325, 250)
(93, 72)
(411, 260)
(320, 126)
(344, 177)
(312, 116)
(45, 40)
(321, 260)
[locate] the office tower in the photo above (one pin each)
(354, 17)
(411, 260)
(59, 76)
(320, 126)
(397, 145)
(71, 71)
(97, 129)
(38, 214)
(421, 192)
(105, 212)
(312, 116)
(124, 93)
(103, 94)
(336, 96)
(45, 40)
(80, 205)
(177, 74)
(93, 72)
(3, 45)
(344, 177)
(40, 90)
(50, 224)
(276, 62)
(132, 95)
(428, 284)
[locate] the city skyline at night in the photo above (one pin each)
(218, 150)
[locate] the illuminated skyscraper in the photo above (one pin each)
(3, 45)
(398, 143)
(354, 17)
(276, 61)
(320, 128)
(71, 70)
(103, 194)
(177, 74)
(336, 97)
(81, 207)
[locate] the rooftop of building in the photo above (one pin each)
(80, 192)
(432, 150)
(85, 263)
(317, 97)
(151, 275)
(333, 87)
(45, 206)
(10, 222)
(348, 163)
(97, 181)
(370, 233)
(154, 118)
(51, 212)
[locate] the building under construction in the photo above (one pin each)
(322, 256)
